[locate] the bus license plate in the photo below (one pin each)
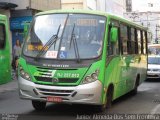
(54, 99)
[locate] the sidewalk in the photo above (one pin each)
(10, 86)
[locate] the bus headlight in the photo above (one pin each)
(94, 76)
(91, 78)
(24, 74)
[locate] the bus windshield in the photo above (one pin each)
(154, 60)
(65, 36)
(154, 49)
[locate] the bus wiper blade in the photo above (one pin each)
(73, 39)
(50, 42)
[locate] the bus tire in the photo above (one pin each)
(38, 105)
(108, 101)
(109, 97)
(135, 90)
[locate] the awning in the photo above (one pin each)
(6, 5)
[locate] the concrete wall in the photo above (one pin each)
(45, 4)
(79, 4)
(72, 4)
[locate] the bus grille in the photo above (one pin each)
(59, 80)
(53, 92)
(46, 76)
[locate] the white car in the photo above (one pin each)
(153, 67)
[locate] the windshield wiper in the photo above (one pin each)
(48, 44)
(73, 39)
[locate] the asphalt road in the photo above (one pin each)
(147, 101)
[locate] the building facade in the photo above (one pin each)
(128, 5)
(21, 11)
(79, 4)
(146, 5)
(146, 13)
(117, 7)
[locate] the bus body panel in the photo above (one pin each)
(5, 56)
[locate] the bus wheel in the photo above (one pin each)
(38, 105)
(109, 97)
(108, 101)
(135, 90)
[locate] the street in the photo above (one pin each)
(147, 101)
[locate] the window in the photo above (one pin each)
(2, 36)
(124, 38)
(139, 41)
(144, 42)
(136, 42)
(133, 41)
(113, 48)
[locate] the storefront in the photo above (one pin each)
(17, 28)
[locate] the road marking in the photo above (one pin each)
(155, 109)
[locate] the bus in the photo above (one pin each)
(81, 57)
(153, 70)
(5, 55)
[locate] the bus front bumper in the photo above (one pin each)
(82, 94)
(153, 74)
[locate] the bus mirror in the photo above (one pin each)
(114, 34)
(26, 28)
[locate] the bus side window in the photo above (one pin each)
(113, 47)
(124, 38)
(139, 41)
(144, 43)
(136, 42)
(2, 36)
(142, 38)
(133, 41)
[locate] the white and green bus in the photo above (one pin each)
(81, 57)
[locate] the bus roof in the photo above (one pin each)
(94, 13)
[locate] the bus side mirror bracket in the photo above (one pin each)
(114, 34)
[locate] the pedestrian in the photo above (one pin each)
(16, 53)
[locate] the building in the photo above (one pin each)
(128, 5)
(21, 11)
(117, 7)
(146, 13)
(146, 5)
(113, 6)
(79, 4)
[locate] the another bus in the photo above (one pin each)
(5, 55)
(81, 57)
(153, 70)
